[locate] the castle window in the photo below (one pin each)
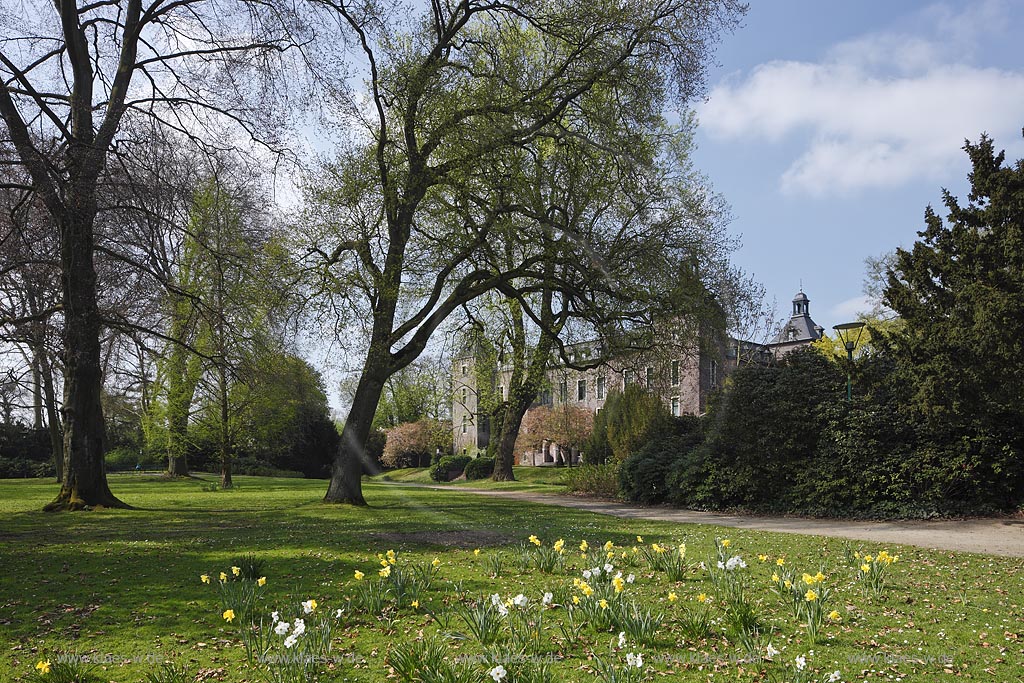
(501, 393)
(465, 423)
(465, 395)
(581, 390)
(627, 378)
(675, 406)
(465, 369)
(650, 377)
(600, 387)
(675, 373)
(713, 379)
(563, 391)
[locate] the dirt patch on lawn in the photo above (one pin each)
(462, 538)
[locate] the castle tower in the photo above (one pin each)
(800, 331)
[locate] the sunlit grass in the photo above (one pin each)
(123, 587)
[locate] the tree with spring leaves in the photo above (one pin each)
(454, 94)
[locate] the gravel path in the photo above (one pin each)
(1004, 536)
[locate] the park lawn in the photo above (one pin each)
(123, 587)
(536, 479)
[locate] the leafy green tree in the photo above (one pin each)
(629, 419)
(459, 95)
(960, 293)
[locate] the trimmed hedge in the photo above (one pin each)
(449, 467)
(479, 468)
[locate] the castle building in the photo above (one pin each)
(684, 378)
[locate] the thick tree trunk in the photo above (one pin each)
(347, 472)
(84, 480)
(518, 403)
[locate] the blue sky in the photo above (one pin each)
(829, 127)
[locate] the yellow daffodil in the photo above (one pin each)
(385, 572)
(205, 578)
(702, 598)
(262, 581)
(775, 578)
(726, 543)
(762, 558)
(809, 580)
(384, 563)
(435, 563)
(359, 575)
(834, 615)
(672, 597)
(865, 568)
(229, 615)
(810, 595)
(639, 539)
(534, 540)
(43, 666)
(819, 577)
(867, 558)
(619, 583)
(236, 570)
(603, 604)
(477, 551)
(584, 545)
(608, 545)
(787, 583)
(223, 576)
(611, 554)
(575, 599)
(415, 604)
(559, 544)
(781, 561)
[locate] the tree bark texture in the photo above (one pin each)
(84, 481)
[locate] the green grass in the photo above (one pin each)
(537, 479)
(123, 587)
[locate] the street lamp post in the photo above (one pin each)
(845, 332)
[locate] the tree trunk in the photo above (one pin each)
(225, 430)
(84, 480)
(347, 471)
(518, 403)
(53, 424)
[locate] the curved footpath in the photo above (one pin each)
(1002, 536)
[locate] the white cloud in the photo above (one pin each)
(851, 308)
(878, 111)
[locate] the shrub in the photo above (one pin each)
(20, 468)
(449, 467)
(479, 468)
(644, 475)
(597, 480)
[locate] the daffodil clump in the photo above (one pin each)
(871, 570)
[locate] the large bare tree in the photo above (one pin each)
(78, 71)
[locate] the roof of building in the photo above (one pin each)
(800, 327)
